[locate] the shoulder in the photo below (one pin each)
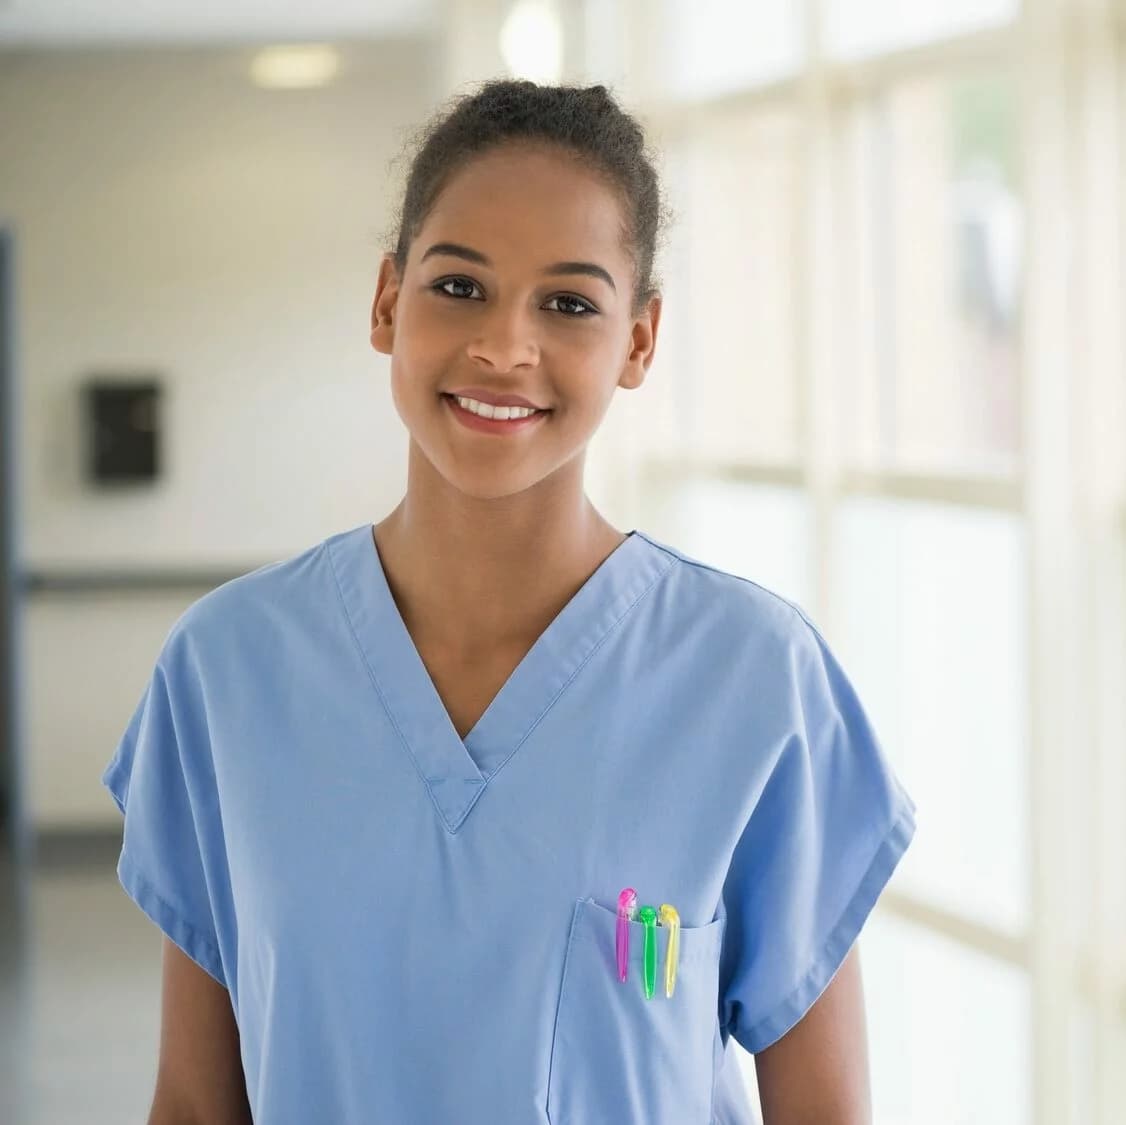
(737, 609)
(260, 607)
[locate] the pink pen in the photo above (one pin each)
(627, 912)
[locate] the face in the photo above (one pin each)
(483, 303)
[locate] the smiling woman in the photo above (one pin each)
(384, 792)
(526, 215)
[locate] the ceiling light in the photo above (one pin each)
(295, 66)
(531, 41)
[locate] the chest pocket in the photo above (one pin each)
(617, 1056)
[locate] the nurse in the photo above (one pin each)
(382, 797)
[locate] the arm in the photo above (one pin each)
(199, 1077)
(817, 1073)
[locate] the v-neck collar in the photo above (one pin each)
(456, 772)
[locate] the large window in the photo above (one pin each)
(890, 386)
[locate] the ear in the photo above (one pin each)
(642, 344)
(383, 306)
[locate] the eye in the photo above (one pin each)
(439, 286)
(585, 308)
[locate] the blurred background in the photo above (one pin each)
(890, 384)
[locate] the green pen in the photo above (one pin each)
(648, 916)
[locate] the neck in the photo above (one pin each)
(472, 574)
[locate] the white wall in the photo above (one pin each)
(171, 217)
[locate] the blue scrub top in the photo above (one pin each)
(417, 929)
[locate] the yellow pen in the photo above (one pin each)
(670, 918)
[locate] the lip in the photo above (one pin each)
(492, 425)
(493, 399)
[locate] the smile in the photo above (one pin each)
(493, 419)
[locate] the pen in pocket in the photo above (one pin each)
(667, 918)
(648, 917)
(627, 912)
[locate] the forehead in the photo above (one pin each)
(529, 205)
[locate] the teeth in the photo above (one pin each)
(501, 413)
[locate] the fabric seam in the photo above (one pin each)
(586, 660)
(567, 962)
(892, 845)
(196, 933)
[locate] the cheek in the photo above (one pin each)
(589, 390)
(415, 376)
(402, 391)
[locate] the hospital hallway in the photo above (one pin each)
(79, 989)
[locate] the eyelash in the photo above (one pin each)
(590, 309)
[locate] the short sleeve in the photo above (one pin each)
(827, 831)
(161, 778)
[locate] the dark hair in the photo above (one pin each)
(584, 122)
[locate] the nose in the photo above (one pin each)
(505, 338)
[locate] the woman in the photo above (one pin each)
(388, 799)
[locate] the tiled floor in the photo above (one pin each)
(79, 994)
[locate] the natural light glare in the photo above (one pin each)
(713, 46)
(933, 628)
(947, 1027)
(862, 27)
(743, 246)
(531, 41)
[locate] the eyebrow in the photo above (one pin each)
(456, 250)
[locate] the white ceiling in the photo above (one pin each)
(64, 23)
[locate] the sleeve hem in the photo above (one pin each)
(191, 939)
(115, 782)
(763, 1032)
